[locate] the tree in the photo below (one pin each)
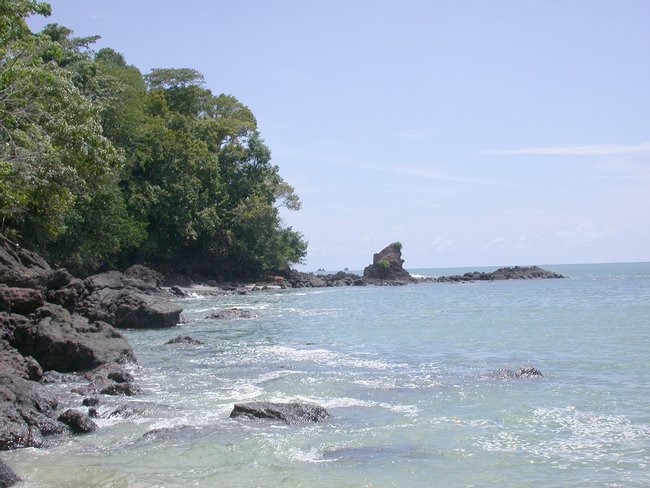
(59, 167)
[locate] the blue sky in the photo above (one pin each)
(476, 133)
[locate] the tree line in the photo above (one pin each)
(102, 166)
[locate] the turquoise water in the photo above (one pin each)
(404, 371)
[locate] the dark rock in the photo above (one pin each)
(127, 410)
(126, 389)
(529, 373)
(387, 266)
(175, 279)
(77, 421)
(290, 413)
(27, 412)
(24, 366)
(90, 402)
(67, 342)
(129, 310)
(510, 273)
(93, 413)
(7, 476)
(508, 374)
(145, 274)
(109, 379)
(184, 340)
(177, 291)
(111, 371)
(232, 313)
(114, 280)
(52, 376)
(58, 279)
(68, 296)
(22, 268)
(20, 300)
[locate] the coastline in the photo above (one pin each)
(57, 328)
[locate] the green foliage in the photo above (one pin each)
(100, 164)
(383, 265)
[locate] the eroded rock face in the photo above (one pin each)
(387, 266)
(51, 327)
(290, 413)
(67, 342)
(27, 411)
(126, 302)
(20, 300)
(22, 268)
(145, 274)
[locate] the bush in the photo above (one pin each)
(383, 265)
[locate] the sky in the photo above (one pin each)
(476, 133)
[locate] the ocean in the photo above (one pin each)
(408, 376)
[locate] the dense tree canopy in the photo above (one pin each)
(100, 165)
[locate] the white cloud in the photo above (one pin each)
(592, 150)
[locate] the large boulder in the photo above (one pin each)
(290, 413)
(20, 300)
(22, 268)
(145, 274)
(27, 412)
(387, 266)
(128, 310)
(114, 280)
(126, 302)
(67, 342)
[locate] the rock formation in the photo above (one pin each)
(52, 324)
(290, 413)
(387, 267)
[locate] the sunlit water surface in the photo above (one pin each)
(404, 372)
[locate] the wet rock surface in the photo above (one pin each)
(184, 340)
(77, 422)
(7, 476)
(231, 314)
(290, 413)
(50, 332)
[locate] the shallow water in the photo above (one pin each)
(404, 371)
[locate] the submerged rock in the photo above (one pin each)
(181, 339)
(232, 313)
(290, 413)
(77, 421)
(7, 476)
(508, 374)
(109, 379)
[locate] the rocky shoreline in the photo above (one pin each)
(386, 270)
(56, 328)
